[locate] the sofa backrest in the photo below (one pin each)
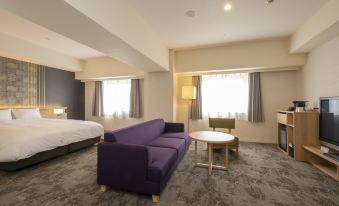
(139, 134)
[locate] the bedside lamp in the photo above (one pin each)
(188, 93)
(58, 111)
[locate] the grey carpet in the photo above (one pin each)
(262, 175)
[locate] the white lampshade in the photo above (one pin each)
(58, 110)
(188, 92)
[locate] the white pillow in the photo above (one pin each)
(26, 113)
(5, 114)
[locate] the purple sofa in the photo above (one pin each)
(141, 158)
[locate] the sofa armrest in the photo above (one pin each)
(174, 127)
(109, 137)
(121, 164)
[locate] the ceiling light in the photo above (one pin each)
(228, 7)
(47, 38)
(190, 13)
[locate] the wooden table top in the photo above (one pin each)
(212, 137)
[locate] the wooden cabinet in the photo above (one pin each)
(302, 128)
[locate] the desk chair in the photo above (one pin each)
(225, 123)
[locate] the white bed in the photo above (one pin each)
(23, 138)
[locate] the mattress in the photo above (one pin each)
(21, 139)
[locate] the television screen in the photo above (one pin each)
(329, 120)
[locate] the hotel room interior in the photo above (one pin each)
(169, 102)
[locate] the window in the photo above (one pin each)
(116, 98)
(225, 95)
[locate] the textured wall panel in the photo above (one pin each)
(24, 84)
(20, 83)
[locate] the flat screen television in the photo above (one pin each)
(329, 122)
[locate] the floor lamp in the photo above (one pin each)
(188, 93)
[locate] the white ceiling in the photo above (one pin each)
(249, 19)
(23, 29)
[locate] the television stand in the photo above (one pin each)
(334, 156)
(323, 162)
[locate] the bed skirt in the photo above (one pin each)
(46, 155)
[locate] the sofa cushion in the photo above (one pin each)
(139, 134)
(173, 143)
(162, 161)
(179, 135)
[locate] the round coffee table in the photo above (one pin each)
(211, 138)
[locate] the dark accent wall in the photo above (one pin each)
(63, 89)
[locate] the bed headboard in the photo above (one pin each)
(46, 112)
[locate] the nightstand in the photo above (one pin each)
(60, 116)
(49, 113)
(54, 116)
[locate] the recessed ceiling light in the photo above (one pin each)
(190, 13)
(228, 7)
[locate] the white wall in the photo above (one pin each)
(106, 67)
(106, 29)
(158, 100)
(278, 92)
(256, 54)
(12, 47)
(321, 27)
(131, 28)
(158, 95)
(320, 76)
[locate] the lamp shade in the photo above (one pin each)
(58, 110)
(188, 92)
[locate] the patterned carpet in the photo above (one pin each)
(262, 175)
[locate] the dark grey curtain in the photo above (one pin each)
(98, 104)
(255, 109)
(135, 98)
(196, 108)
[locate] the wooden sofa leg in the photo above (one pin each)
(103, 188)
(155, 198)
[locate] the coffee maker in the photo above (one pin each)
(299, 106)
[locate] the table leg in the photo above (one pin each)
(226, 155)
(210, 158)
(196, 151)
(210, 165)
(196, 146)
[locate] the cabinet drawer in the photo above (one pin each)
(282, 118)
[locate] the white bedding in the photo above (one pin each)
(20, 139)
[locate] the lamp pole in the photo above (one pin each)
(188, 115)
(188, 93)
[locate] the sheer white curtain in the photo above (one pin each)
(116, 98)
(225, 95)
